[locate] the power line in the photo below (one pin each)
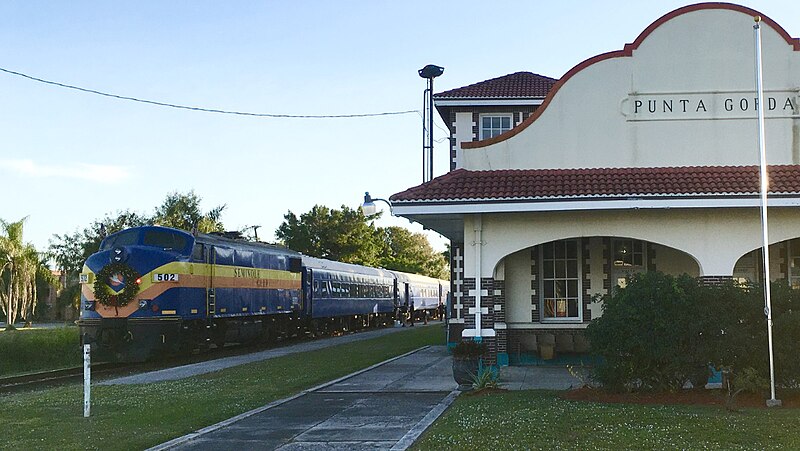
(208, 110)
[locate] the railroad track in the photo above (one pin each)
(44, 379)
(55, 377)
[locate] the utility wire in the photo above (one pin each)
(208, 110)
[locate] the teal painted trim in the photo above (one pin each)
(715, 377)
(502, 359)
(477, 339)
(524, 359)
(450, 346)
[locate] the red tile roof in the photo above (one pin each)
(516, 85)
(535, 184)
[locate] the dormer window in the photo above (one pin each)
(494, 124)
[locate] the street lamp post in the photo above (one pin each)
(428, 72)
(369, 208)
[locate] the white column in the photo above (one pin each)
(478, 226)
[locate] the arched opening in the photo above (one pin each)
(551, 291)
(560, 280)
(784, 264)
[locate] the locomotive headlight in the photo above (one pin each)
(142, 303)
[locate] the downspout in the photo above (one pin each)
(478, 226)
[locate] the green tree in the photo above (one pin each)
(20, 264)
(182, 211)
(411, 252)
(69, 251)
(343, 235)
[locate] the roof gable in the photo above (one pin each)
(511, 86)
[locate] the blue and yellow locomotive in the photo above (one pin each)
(155, 290)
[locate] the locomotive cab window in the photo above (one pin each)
(126, 238)
(198, 253)
(164, 239)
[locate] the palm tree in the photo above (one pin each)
(18, 281)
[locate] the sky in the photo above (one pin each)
(68, 158)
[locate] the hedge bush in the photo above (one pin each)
(660, 331)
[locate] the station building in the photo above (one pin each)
(658, 170)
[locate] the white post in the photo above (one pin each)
(87, 379)
(762, 148)
(478, 244)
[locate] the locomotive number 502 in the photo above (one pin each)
(159, 277)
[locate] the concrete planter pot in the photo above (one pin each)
(546, 351)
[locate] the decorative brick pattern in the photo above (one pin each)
(586, 297)
(714, 280)
(651, 257)
(607, 264)
(499, 298)
(535, 314)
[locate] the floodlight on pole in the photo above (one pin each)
(428, 72)
(762, 152)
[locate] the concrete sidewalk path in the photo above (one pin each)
(384, 407)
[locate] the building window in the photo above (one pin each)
(628, 253)
(495, 124)
(629, 259)
(561, 281)
(794, 263)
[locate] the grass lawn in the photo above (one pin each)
(140, 416)
(28, 350)
(541, 420)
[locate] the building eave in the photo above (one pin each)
(488, 102)
(473, 206)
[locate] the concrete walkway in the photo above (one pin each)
(384, 407)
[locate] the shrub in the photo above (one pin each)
(660, 331)
(469, 350)
(649, 334)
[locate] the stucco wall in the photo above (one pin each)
(673, 261)
(715, 238)
(706, 54)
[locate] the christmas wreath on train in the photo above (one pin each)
(116, 273)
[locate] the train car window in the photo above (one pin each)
(165, 239)
(336, 289)
(243, 258)
(260, 260)
(295, 264)
(198, 253)
(280, 262)
(324, 289)
(316, 288)
(127, 238)
(223, 256)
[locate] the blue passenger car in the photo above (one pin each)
(342, 291)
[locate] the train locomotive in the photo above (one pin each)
(154, 290)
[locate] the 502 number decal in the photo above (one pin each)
(161, 277)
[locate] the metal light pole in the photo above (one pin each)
(762, 148)
(429, 72)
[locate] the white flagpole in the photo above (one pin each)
(764, 188)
